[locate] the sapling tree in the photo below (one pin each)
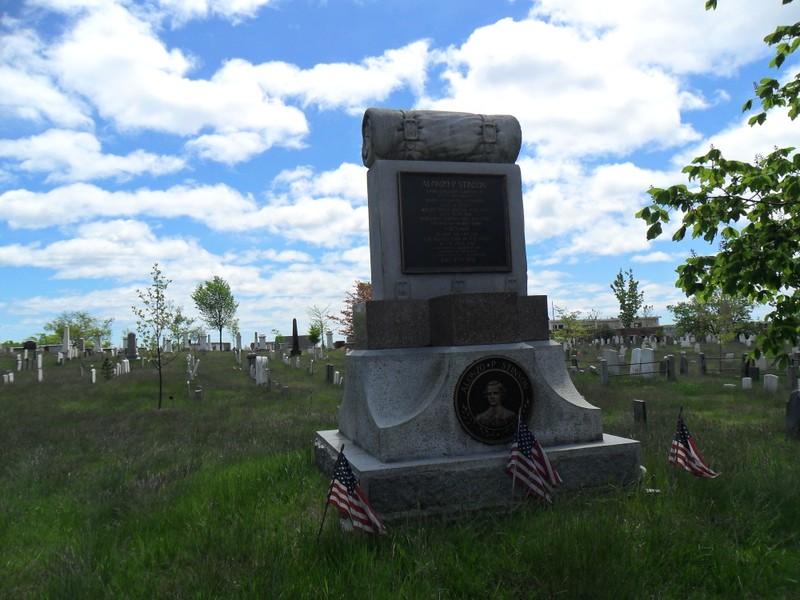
(629, 297)
(318, 320)
(154, 319)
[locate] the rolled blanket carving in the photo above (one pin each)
(390, 134)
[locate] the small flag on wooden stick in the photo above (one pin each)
(529, 464)
(684, 453)
(346, 494)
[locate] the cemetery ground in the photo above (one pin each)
(102, 495)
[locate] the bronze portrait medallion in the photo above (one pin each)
(490, 395)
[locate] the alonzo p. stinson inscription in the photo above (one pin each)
(491, 394)
(453, 223)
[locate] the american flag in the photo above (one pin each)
(684, 452)
(346, 494)
(529, 464)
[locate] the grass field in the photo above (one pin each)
(103, 496)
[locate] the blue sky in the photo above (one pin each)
(223, 137)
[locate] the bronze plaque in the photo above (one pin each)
(490, 395)
(453, 223)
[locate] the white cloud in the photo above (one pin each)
(370, 81)
(117, 60)
(680, 36)
(296, 209)
(181, 11)
(653, 257)
(77, 156)
(29, 92)
(573, 95)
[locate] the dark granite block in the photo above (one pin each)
(533, 321)
(382, 324)
(467, 319)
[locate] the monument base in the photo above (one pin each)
(452, 485)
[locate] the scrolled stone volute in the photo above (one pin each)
(431, 135)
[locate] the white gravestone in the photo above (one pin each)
(648, 368)
(771, 383)
(636, 361)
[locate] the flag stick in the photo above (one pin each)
(514, 472)
(328, 497)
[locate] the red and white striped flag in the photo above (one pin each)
(346, 494)
(529, 464)
(684, 453)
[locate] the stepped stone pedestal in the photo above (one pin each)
(452, 349)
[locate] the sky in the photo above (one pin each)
(223, 138)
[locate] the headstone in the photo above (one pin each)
(81, 345)
(65, 341)
(262, 370)
(770, 383)
(636, 361)
(295, 340)
(703, 365)
(791, 372)
(131, 352)
(793, 414)
(329, 373)
(262, 342)
(238, 341)
(747, 383)
(451, 347)
(648, 360)
(612, 360)
(684, 369)
(329, 339)
(639, 411)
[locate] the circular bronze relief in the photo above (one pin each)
(489, 396)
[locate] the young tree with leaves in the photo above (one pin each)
(752, 207)
(154, 319)
(361, 292)
(572, 326)
(318, 319)
(628, 295)
(216, 304)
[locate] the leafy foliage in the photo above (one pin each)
(752, 207)
(719, 315)
(573, 327)
(216, 304)
(81, 325)
(629, 297)
(361, 292)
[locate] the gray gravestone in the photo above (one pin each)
(793, 414)
(131, 352)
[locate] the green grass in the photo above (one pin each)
(101, 496)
